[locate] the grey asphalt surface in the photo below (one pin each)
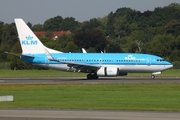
(83, 80)
(34, 114)
(49, 114)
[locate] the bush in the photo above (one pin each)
(5, 65)
(176, 65)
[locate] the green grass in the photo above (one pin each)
(158, 97)
(37, 73)
(167, 73)
(162, 97)
(55, 73)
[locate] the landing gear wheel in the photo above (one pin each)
(152, 76)
(95, 76)
(89, 76)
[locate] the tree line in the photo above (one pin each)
(125, 30)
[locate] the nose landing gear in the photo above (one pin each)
(152, 76)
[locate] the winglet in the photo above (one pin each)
(83, 50)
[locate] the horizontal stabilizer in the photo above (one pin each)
(11, 53)
(29, 56)
(19, 54)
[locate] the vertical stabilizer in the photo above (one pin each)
(29, 42)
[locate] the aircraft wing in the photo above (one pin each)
(82, 67)
(78, 66)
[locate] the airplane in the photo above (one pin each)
(95, 64)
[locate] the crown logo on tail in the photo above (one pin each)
(29, 37)
(29, 41)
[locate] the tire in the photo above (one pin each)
(89, 76)
(152, 76)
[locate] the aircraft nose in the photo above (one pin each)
(170, 65)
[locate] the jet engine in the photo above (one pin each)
(110, 71)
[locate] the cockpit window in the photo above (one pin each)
(160, 60)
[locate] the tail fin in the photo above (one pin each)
(30, 44)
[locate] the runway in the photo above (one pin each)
(34, 114)
(82, 80)
(49, 114)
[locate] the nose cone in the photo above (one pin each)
(169, 65)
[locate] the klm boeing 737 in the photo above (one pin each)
(95, 64)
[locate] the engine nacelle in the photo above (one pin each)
(108, 71)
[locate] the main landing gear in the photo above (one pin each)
(92, 76)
